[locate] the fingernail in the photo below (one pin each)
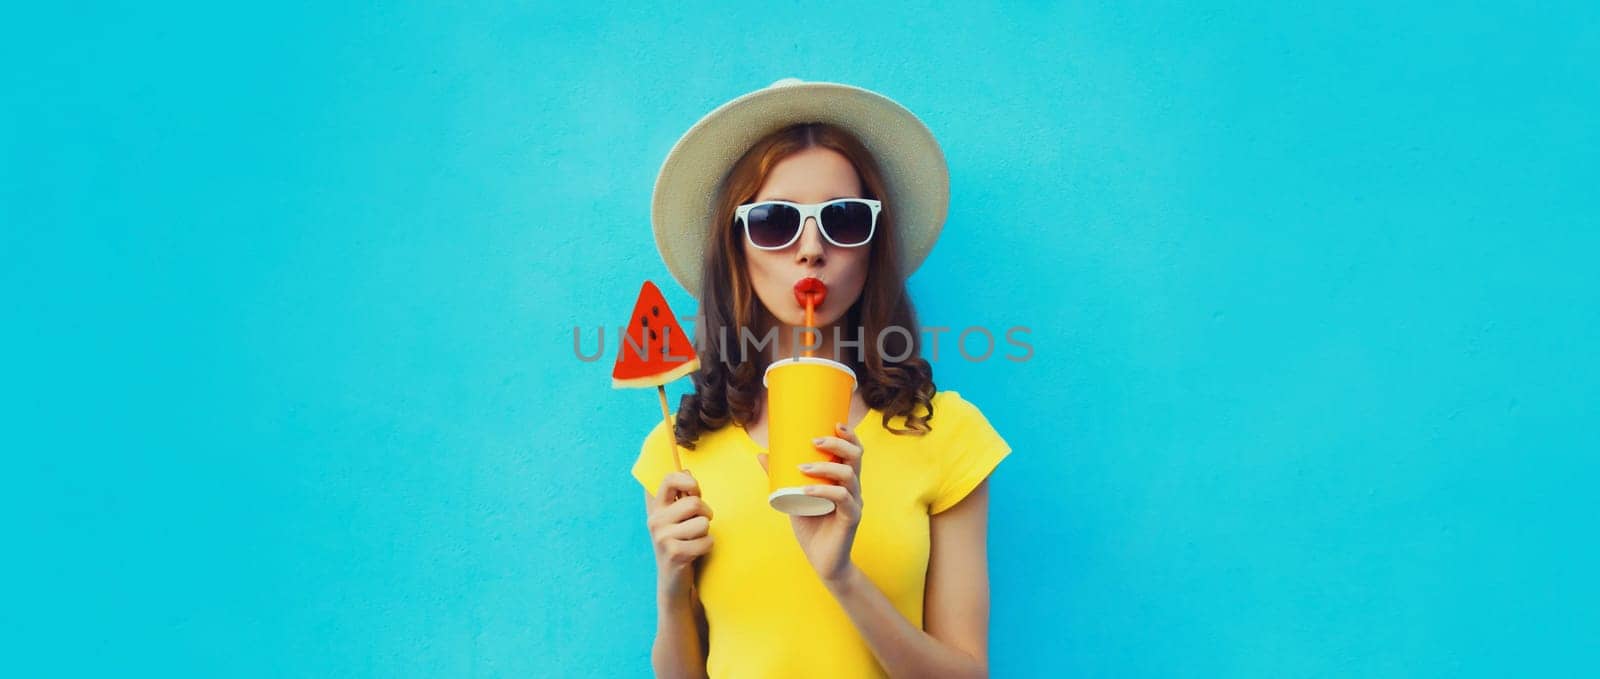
(817, 440)
(807, 467)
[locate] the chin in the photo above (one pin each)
(792, 314)
(794, 318)
(797, 318)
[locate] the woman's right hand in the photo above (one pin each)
(680, 529)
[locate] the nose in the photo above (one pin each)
(810, 252)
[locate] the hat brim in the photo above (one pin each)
(916, 178)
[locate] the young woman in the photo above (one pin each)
(771, 188)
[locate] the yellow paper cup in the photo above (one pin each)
(805, 398)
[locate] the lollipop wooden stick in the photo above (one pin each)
(672, 434)
(810, 323)
(655, 351)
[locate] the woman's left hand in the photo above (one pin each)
(826, 539)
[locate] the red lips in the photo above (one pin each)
(810, 291)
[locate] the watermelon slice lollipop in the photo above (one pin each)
(655, 350)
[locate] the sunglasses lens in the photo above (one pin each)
(848, 222)
(771, 224)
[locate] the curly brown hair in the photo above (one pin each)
(727, 388)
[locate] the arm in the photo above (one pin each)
(679, 531)
(679, 649)
(956, 594)
(955, 608)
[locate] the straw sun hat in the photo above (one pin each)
(915, 176)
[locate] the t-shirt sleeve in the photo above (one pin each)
(969, 450)
(655, 459)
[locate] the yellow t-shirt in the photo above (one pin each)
(766, 609)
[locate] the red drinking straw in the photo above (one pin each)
(809, 324)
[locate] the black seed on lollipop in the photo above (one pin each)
(655, 311)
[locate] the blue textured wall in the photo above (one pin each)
(289, 292)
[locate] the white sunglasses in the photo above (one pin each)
(776, 224)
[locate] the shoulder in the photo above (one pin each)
(657, 432)
(951, 400)
(967, 447)
(660, 440)
(654, 461)
(946, 410)
(656, 458)
(950, 410)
